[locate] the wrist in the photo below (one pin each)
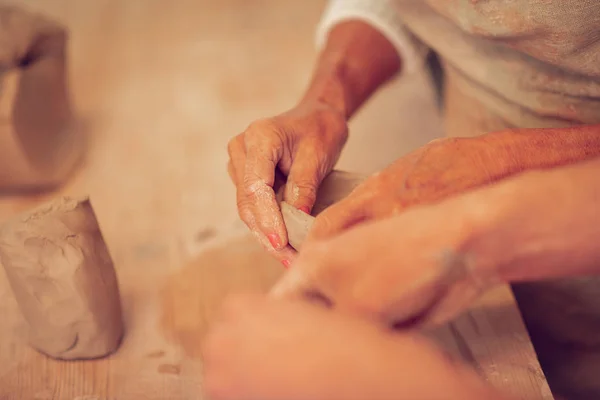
(472, 220)
(538, 225)
(532, 226)
(327, 90)
(356, 60)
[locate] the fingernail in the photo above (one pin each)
(305, 209)
(274, 240)
(286, 263)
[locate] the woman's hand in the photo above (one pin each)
(414, 268)
(428, 263)
(429, 174)
(303, 144)
(451, 166)
(264, 349)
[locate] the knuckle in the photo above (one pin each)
(322, 224)
(243, 206)
(245, 212)
(253, 188)
(234, 145)
(372, 190)
(261, 128)
(264, 135)
(306, 188)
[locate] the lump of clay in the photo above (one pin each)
(39, 146)
(63, 279)
(336, 186)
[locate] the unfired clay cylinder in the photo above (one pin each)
(40, 144)
(63, 279)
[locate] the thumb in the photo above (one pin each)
(338, 218)
(306, 174)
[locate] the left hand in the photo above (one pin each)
(265, 349)
(414, 268)
(430, 173)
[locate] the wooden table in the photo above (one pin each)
(161, 87)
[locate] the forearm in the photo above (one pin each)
(538, 225)
(506, 153)
(356, 60)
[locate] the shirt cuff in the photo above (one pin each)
(381, 15)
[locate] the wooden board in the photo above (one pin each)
(162, 86)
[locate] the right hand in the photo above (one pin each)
(418, 269)
(304, 144)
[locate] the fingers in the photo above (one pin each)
(294, 285)
(306, 174)
(310, 277)
(369, 271)
(253, 159)
(339, 217)
(285, 256)
(263, 152)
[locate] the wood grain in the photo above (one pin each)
(162, 87)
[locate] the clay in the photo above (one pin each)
(336, 186)
(40, 144)
(63, 279)
(297, 224)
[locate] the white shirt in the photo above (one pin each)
(383, 16)
(521, 63)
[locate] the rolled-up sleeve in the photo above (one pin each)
(381, 15)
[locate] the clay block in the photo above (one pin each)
(63, 279)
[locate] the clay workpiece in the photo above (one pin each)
(63, 279)
(39, 145)
(336, 186)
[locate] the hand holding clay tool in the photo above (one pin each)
(63, 279)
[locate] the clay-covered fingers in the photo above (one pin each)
(254, 156)
(306, 174)
(302, 144)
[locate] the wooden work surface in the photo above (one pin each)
(161, 87)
